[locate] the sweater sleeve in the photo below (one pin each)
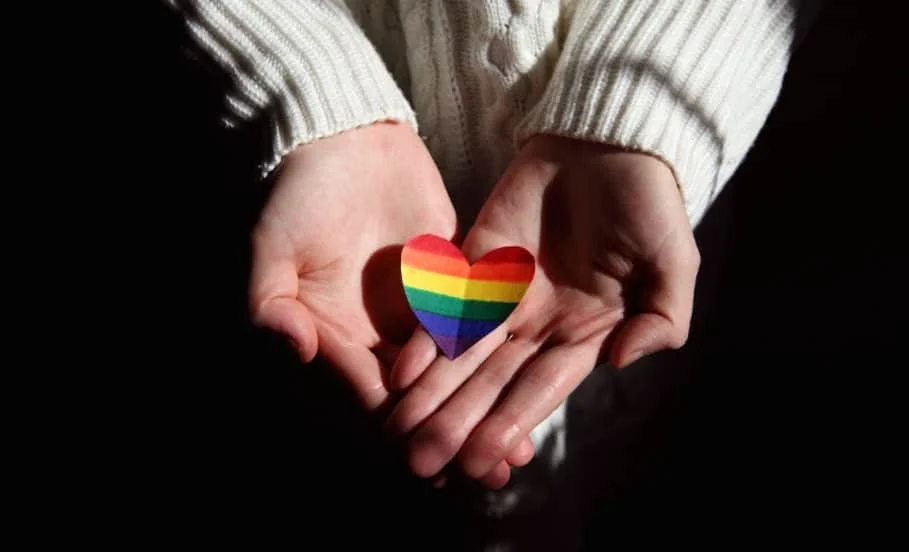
(690, 82)
(306, 68)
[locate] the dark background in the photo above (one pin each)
(776, 430)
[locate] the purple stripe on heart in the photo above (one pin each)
(438, 324)
(452, 347)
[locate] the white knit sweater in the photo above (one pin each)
(690, 81)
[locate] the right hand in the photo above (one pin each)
(326, 249)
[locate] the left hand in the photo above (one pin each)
(616, 269)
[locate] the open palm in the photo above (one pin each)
(326, 249)
(616, 270)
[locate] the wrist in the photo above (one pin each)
(569, 150)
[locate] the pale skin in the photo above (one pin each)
(615, 279)
(326, 269)
(616, 268)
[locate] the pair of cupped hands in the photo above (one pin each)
(615, 276)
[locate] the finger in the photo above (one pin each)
(440, 437)
(289, 317)
(438, 382)
(439, 481)
(668, 304)
(273, 287)
(416, 355)
(359, 367)
(501, 474)
(497, 477)
(642, 335)
(522, 454)
(387, 353)
(535, 394)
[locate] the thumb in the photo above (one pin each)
(667, 304)
(359, 367)
(273, 299)
(289, 317)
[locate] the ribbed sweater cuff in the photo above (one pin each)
(305, 66)
(688, 82)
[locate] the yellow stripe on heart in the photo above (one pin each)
(463, 288)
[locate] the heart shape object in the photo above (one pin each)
(459, 304)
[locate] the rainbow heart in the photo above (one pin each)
(459, 304)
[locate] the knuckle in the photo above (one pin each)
(444, 433)
(498, 444)
(496, 375)
(490, 446)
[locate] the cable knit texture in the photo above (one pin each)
(690, 81)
